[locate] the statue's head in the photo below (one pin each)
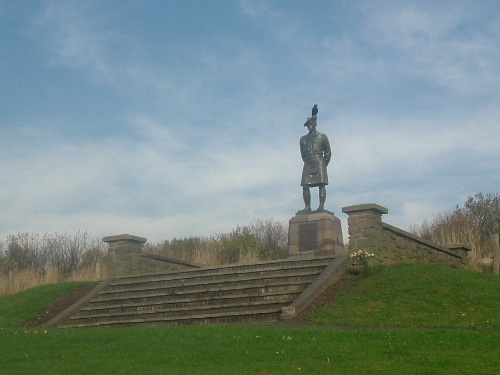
(311, 123)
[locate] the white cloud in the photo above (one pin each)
(448, 46)
(76, 38)
(153, 177)
(209, 132)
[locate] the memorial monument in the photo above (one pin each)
(318, 232)
(316, 154)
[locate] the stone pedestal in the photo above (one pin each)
(315, 233)
(124, 254)
(365, 227)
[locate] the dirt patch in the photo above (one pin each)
(328, 296)
(59, 306)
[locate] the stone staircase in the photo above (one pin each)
(235, 293)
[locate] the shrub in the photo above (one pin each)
(64, 252)
(29, 260)
(260, 240)
(473, 225)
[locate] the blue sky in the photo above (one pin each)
(172, 118)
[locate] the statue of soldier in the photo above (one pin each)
(316, 154)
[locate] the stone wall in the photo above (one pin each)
(392, 245)
(126, 258)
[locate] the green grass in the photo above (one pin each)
(17, 308)
(417, 295)
(246, 349)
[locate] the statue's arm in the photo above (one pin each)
(303, 146)
(327, 152)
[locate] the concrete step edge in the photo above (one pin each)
(224, 276)
(238, 288)
(177, 319)
(191, 310)
(185, 300)
(227, 268)
(235, 279)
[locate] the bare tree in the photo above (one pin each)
(65, 252)
(473, 224)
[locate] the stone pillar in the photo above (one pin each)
(365, 226)
(461, 250)
(316, 233)
(124, 255)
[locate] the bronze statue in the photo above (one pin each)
(316, 154)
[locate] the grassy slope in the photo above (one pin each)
(20, 307)
(243, 349)
(417, 295)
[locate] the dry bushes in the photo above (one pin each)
(261, 240)
(28, 260)
(18, 280)
(63, 251)
(473, 225)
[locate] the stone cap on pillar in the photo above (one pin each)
(457, 246)
(124, 237)
(366, 207)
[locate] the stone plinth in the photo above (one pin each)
(318, 233)
(124, 254)
(391, 245)
(365, 226)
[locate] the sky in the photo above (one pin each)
(170, 119)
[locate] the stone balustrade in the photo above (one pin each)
(391, 245)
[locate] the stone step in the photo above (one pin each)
(222, 270)
(183, 302)
(187, 279)
(220, 318)
(236, 280)
(223, 294)
(227, 308)
(256, 288)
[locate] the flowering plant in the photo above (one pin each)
(361, 256)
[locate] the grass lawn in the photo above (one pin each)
(247, 350)
(417, 295)
(370, 348)
(20, 307)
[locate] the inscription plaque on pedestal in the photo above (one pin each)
(318, 233)
(307, 236)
